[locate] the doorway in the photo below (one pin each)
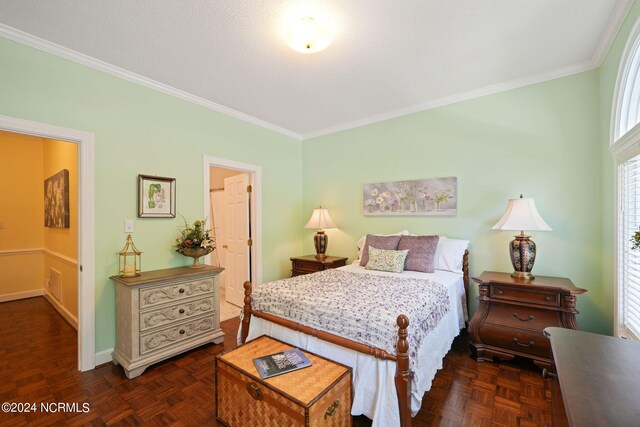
(233, 211)
(85, 269)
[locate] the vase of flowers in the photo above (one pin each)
(194, 241)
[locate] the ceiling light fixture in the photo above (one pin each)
(308, 35)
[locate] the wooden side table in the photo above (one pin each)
(596, 380)
(513, 313)
(310, 264)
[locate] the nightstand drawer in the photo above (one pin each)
(307, 266)
(516, 339)
(522, 317)
(524, 295)
(310, 264)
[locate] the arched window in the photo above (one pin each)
(625, 148)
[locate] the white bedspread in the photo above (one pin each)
(373, 379)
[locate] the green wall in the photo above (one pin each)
(141, 131)
(541, 140)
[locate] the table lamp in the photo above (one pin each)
(320, 220)
(521, 214)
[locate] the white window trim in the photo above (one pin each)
(619, 108)
(623, 147)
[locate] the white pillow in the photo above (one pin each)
(449, 254)
(360, 243)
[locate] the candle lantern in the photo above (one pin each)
(129, 260)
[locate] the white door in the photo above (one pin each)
(236, 236)
(217, 256)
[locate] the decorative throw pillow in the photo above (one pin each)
(363, 239)
(378, 242)
(422, 252)
(386, 260)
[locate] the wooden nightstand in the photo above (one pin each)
(310, 264)
(513, 313)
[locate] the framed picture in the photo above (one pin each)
(56, 200)
(421, 197)
(156, 197)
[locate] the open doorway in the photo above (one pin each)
(84, 263)
(232, 209)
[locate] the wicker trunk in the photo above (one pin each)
(319, 395)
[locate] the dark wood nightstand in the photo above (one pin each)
(310, 264)
(512, 314)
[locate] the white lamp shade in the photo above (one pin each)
(521, 214)
(320, 219)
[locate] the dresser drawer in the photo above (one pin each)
(515, 339)
(525, 295)
(153, 341)
(522, 317)
(180, 311)
(175, 292)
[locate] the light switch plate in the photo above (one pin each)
(128, 226)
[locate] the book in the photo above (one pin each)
(281, 363)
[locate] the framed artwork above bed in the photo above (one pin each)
(420, 197)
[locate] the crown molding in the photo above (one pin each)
(88, 61)
(619, 15)
(74, 56)
(453, 99)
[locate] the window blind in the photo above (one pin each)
(630, 289)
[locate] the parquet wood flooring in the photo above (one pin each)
(38, 363)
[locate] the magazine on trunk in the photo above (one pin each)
(281, 363)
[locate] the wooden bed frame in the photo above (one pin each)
(403, 374)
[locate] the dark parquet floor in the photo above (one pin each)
(38, 363)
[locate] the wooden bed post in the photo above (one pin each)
(403, 374)
(246, 311)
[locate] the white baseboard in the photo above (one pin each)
(21, 295)
(103, 357)
(70, 318)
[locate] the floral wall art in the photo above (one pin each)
(156, 197)
(56, 200)
(436, 196)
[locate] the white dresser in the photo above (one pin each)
(162, 313)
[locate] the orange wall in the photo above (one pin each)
(27, 248)
(61, 244)
(22, 214)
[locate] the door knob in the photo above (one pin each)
(225, 246)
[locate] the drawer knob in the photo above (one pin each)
(181, 331)
(522, 319)
(547, 298)
(181, 311)
(522, 344)
(499, 292)
(181, 290)
(254, 391)
(332, 409)
(547, 374)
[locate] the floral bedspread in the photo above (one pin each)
(359, 306)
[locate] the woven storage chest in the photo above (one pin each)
(319, 395)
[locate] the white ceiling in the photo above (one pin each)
(389, 57)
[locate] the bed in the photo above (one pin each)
(395, 357)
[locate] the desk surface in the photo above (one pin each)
(599, 376)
